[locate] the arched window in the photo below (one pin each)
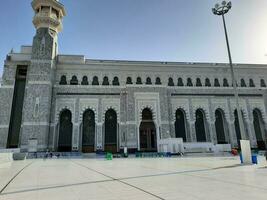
(129, 80)
(147, 132)
(105, 81)
(198, 82)
(85, 81)
(180, 82)
(200, 126)
(115, 81)
(263, 84)
(65, 131)
(148, 81)
(180, 125)
(225, 83)
(170, 82)
(189, 82)
(243, 83)
(88, 131)
(251, 83)
(220, 126)
(111, 131)
(95, 81)
(158, 81)
(237, 127)
(207, 82)
(216, 82)
(259, 128)
(138, 81)
(74, 80)
(63, 80)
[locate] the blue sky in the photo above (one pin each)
(163, 30)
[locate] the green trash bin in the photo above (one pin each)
(109, 156)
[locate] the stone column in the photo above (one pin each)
(212, 136)
(99, 136)
(188, 131)
(75, 137)
(192, 131)
(251, 133)
(232, 134)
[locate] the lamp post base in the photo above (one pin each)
(246, 151)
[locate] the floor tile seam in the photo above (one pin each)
(15, 176)
(230, 182)
(53, 187)
(140, 189)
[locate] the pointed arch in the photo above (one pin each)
(111, 126)
(147, 131)
(220, 126)
(259, 128)
(148, 81)
(170, 82)
(65, 131)
(88, 131)
(180, 124)
(237, 126)
(200, 126)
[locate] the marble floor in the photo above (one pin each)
(186, 178)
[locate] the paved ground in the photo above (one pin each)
(187, 178)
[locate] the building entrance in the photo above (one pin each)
(147, 131)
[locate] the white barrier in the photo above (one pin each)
(196, 147)
(172, 145)
(6, 155)
(222, 148)
(206, 147)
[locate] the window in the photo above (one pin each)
(216, 83)
(180, 82)
(105, 81)
(138, 81)
(63, 80)
(148, 81)
(74, 80)
(158, 81)
(225, 83)
(115, 81)
(129, 80)
(85, 81)
(251, 83)
(263, 84)
(207, 82)
(95, 81)
(243, 83)
(189, 82)
(170, 82)
(198, 82)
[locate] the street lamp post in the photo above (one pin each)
(221, 10)
(124, 95)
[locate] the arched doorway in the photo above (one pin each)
(65, 132)
(111, 131)
(147, 131)
(180, 126)
(220, 127)
(88, 131)
(259, 128)
(200, 126)
(237, 127)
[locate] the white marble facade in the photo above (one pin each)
(73, 83)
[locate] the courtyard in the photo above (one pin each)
(187, 178)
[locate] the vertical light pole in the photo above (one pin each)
(124, 96)
(221, 10)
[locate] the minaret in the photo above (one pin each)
(48, 16)
(48, 23)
